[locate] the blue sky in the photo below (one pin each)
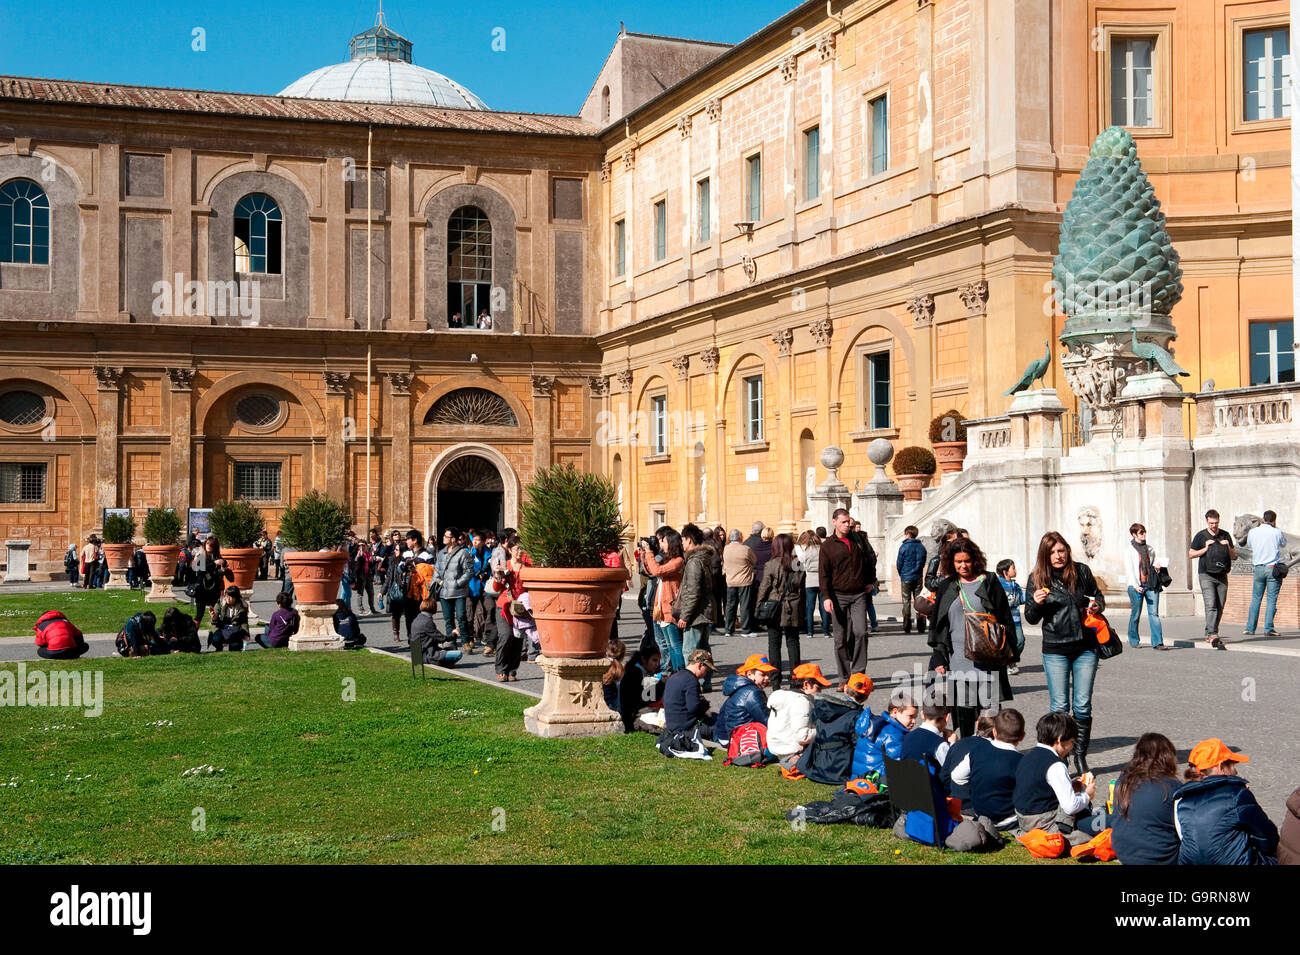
(551, 57)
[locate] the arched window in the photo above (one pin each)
(604, 105)
(472, 406)
(24, 223)
(257, 234)
(469, 268)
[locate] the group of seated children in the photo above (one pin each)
(829, 735)
(141, 636)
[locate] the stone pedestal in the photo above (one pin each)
(1036, 424)
(316, 629)
(160, 592)
(573, 702)
(116, 580)
(17, 568)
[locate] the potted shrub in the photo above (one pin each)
(315, 527)
(913, 467)
(119, 546)
(162, 529)
(237, 525)
(948, 436)
(568, 523)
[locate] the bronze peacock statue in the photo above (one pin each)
(1152, 353)
(1035, 372)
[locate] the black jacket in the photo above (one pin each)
(940, 637)
(828, 759)
(683, 704)
(1061, 614)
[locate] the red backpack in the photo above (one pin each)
(747, 746)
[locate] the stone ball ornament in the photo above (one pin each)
(832, 457)
(880, 452)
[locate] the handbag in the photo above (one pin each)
(1108, 645)
(923, 604)
(1163, 579)
(768, 612)
(985, 638)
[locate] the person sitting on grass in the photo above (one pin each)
(138, 636)
(1045, 797)
(347, 626)
(929, 742)
(1216, 815)
(988, 771)
(688, 720)
(229, 622)
(1142, 818)
(961, 750)
(57, 638)
(790, 723)
(642, 685)
(882, 735)
(283, 624)
(435, 647)
(613, 676)
(745, 702)
(178, 633)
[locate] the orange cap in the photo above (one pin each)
(756, 661)
(1211, 752)
(860, 683)
(810, 671)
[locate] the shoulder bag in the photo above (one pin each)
(1108, 644)
(768, 612)
(985, 638)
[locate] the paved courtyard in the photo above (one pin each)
(1249, 696)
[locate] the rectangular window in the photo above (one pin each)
(879, 134)
(754, 408)
(1272, 357)
(22, 483)
(812, 163)
(754, 188)
(659, 424)
(878, 395)
(1266, 73)
(703, 209)
(620, 245)
(258, 481)
(661, 230)
(1132, 81)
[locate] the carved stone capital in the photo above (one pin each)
(922, 309)
(543, 386)
(709, 359)
(784, 339)
(826, 46)
(599, 385)
(182, 379)
(684, 125)
(336, 382)
(713, 109)
(974, 296)
(821, 331)
(606, 170)
(109, 377)
(789, 68)
(625, 380)
(400, 382)
(629, 160)
(682, 365)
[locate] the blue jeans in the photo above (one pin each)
(871, 610)
(813, 600)
(1062, 669)
(1264, 579)
(453, 616)
(1152, 599)
(669, 638)
(697, 638)
(1020, 641)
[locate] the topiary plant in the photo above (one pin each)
(314, 522)
(949, 426)
(570, 519)
(118, 529)
(162, 527)
(915, 460)
(236, 524)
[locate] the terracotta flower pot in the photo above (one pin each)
(243, 563)
(162, 560)
(950, 455)
(118, 556)
(316, 574)
(574, 608)
(912, 484)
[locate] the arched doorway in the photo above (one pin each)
(470, 494)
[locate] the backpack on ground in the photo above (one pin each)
(747, 745)
(682, 744)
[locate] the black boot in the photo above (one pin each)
(1081, 746)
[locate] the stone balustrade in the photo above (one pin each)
(988, 438)
(1248, 415)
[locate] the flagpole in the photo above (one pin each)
(369, 376)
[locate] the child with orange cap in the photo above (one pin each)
(1216, 816)
(745, 702)
(790, 724)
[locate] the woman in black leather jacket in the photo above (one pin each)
(1062, 593)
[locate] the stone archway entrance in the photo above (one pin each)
(471, 486)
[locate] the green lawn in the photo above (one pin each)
(93, 611)
(408, 772)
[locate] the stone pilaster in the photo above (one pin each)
(399, 463)
(543, 387)
(182, 429)
(336, 397)
(108, 415)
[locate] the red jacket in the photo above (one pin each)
(54, 631)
